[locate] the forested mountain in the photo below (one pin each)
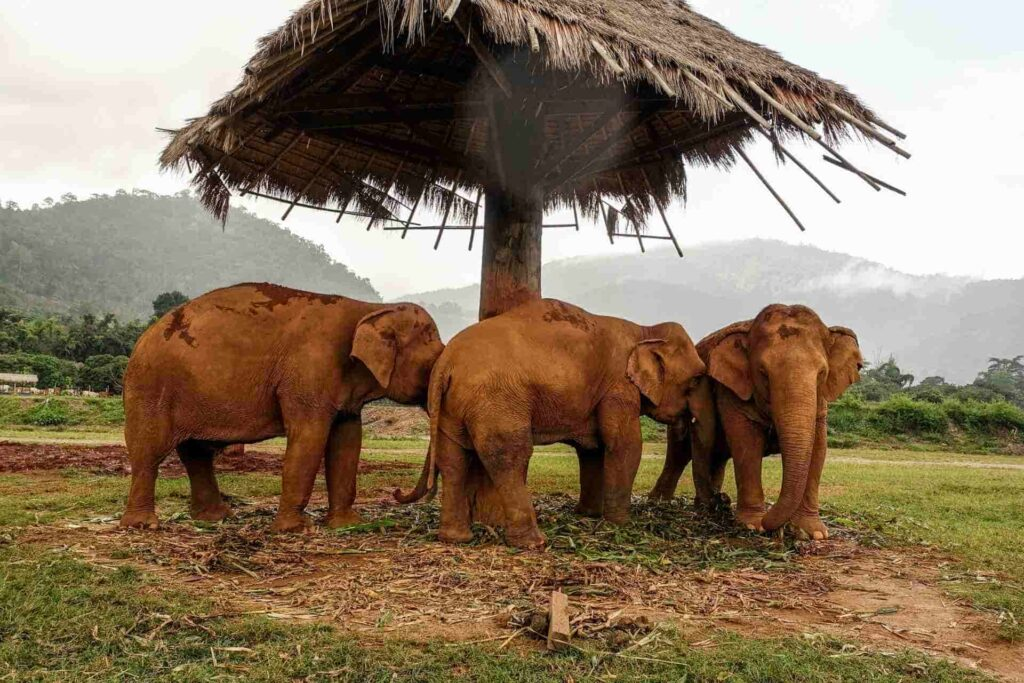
(933, 325)
(116, 254)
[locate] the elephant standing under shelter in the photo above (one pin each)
(254, 361)
(542, 373)
(767, 390)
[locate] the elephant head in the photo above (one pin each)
(791, 366)
(666, 369)
(399, 345)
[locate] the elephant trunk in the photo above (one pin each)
(796, 439)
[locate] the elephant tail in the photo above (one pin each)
(427, 483)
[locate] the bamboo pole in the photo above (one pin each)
(782, 109)
(476, 213)
(801, 166)
(868, 130)
(660, 79)
(604, 53)
(771, 189)
(885, 126)
(661, 210)
(884, 184)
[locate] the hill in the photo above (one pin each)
(934, 325)
(116, 254)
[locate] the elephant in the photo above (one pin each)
(767, 390)
(548, 372)
(253, 361)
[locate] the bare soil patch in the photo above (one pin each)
(388, 577)
(113, 460)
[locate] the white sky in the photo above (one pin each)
(83, 85)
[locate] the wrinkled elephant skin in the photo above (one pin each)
(767, 390)
(254, 361)
(549, 372)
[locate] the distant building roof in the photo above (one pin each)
(15, 378)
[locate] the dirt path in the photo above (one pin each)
(854, 460)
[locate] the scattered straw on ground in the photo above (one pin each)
(390, 576)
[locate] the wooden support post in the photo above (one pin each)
(510, 268)
(510, 272)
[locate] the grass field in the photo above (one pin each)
(68, 612)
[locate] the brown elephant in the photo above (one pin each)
(253, 361)
(542, 373)
(767, 390)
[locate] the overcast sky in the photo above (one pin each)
(83, 85)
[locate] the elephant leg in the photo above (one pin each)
(591, 482)
(746, 442)
(206, 503)
(307, 441)
(340, 467)
(506, 458)
(453, 461)
(146, 450)
(620, 431)
(807, 519)
(678, 452)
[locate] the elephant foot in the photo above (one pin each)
(589, 511)
(617, 518)
(291, 523)
(528, 540)
(211, 513)
(718, 504)
(455, 536)
(140, 520)
(342, 518)
(751, 519)
(809, 527)
(661, 493)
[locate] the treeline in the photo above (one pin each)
(1002, 380)
(114, 253)
(88, 352)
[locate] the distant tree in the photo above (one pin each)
(12, 206)
(103, 373)
(48, 201)
(68, 198)
(120, 192)
(882, 381)
(167, 302)
(1005, 377)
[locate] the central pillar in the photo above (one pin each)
(511, 265)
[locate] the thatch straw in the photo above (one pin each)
(676, 73)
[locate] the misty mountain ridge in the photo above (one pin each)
(932, 324)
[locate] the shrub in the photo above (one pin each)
(902, 415)
(848, 415)
(48, 413)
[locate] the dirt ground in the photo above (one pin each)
(113, 460)
(389, 577)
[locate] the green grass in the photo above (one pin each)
(50, 602)
(63, 620)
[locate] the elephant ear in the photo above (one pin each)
(730, 366)
(646, 369)
(844, 362)
(374, 344)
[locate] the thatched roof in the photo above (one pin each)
(369, 105)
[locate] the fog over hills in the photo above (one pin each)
(933, 325)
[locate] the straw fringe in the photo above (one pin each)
(649, 44)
